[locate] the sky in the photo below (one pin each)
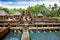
(25, 3)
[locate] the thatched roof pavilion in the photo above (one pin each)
(17, 13)
(40, 14)
(3, 13)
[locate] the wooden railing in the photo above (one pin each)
(44, 28)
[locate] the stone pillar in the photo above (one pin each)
(9, 24)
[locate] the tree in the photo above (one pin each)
(19, 10)
(1, 8)
(6, 9)
(55, 6)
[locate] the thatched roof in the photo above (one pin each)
(17, 13)
(3, 13)
(40, 14)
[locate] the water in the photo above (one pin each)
(12, 36)
(45, 36)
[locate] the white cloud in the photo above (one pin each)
(30, 3)
(23, 7)
(19, 2)
(0, 4)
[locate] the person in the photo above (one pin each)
(15, 31)
(19, 31)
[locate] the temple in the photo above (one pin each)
(25, 23)
(18, 19)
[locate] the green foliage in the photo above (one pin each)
(46, 11)
(1, 8)
(11, 11)
(58, 18)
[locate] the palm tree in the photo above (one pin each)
(55, 6)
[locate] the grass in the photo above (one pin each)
(57, 18)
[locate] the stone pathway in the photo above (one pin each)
(25, 35)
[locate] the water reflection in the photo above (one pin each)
(13, 36)
(45, 35)
(31, 31)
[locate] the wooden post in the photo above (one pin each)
(37, 27)
(52, 25)
(3, 25)
(42, 25)
(3, 18)
(47, 25)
